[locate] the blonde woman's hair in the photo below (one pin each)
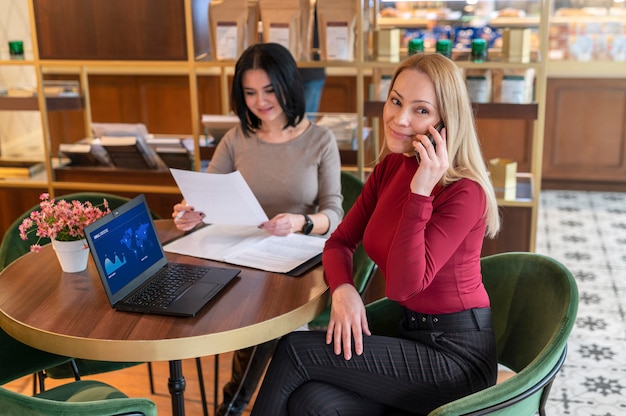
(454, 105)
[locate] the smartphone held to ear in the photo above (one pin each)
(438, 127)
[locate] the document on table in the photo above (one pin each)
(232, 236)
(251, 247)
(223, 198)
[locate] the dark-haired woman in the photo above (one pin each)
(291, 165)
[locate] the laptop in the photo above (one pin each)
(135, 272)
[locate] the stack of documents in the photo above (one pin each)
(232, 236)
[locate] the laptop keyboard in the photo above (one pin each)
(165, 286)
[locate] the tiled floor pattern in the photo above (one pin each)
(586, 231)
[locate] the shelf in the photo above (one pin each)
(578, 69)
(51, 66)
(65, 103)
(348, 156)
(149, 177)
(416, 23)
(461, 58)
(523, 192)
(32, 104)
(19, 104)
(37, 179)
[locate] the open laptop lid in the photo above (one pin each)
(125, 248)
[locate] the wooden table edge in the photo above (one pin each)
(165, 349)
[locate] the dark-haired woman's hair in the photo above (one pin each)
(281, 68)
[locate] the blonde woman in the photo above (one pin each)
(422, 217)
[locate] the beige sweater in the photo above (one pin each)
(299, 176)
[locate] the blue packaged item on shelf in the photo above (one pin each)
(411, 34)
(463, 36)
(443, 32)
(488, 33)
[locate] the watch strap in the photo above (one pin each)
(308, 225)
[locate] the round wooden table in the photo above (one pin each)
(69, 314)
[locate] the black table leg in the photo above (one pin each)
(176, 384)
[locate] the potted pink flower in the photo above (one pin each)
(63, 221)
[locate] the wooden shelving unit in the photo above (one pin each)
(186, 88)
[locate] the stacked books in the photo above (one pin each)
(19, 168)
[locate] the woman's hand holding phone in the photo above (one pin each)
(430, 137)
(434, 162)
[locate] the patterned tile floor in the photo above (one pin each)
(586, 231)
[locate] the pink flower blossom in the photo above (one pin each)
(61, 220)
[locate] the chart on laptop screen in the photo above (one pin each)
(125, 247)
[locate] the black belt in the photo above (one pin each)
(471, 319)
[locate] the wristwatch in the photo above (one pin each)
(308, 225)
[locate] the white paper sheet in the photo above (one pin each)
(223, 198)
(248, 246)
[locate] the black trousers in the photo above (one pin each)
(434, 359)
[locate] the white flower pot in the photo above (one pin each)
(72, 255)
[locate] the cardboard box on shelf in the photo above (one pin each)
(229, 23)
(479, 85)
(504, 177)
(516, 44)
(515, 86)
(337, 26)
(387, 43)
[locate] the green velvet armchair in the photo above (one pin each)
(534, 301)
(88, 397)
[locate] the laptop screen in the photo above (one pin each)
(125, 247)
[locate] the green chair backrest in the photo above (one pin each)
(13, 246)
(363, 267)
(18, 360)
(351, 188)
(534, 302)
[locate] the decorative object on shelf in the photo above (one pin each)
(61, 88)
(72, 255)
(387, 45)
(62, 221)
(516, 44)
(416, 45)
(504, 177)
(479, 50)
(337, 22)
(444, 47)
(16, 49)
(20, 168)
(478, 82)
